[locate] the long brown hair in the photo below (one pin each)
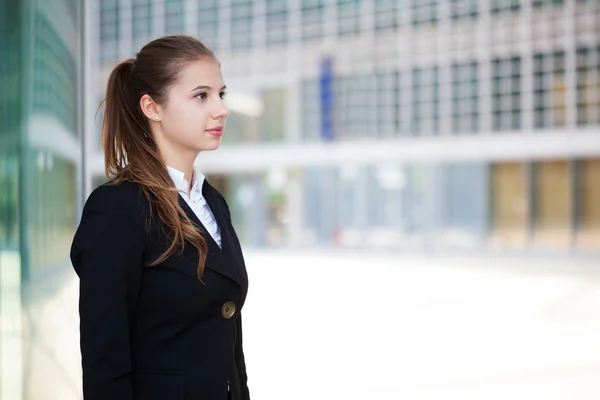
(130, 151)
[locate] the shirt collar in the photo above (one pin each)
(181, 183)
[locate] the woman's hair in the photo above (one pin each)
(130, 151)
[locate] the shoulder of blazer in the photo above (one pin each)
(124, 199)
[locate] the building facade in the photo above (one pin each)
(395, 124)
(41, 170)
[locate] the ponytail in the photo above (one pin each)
(130, 152)
(123, 125)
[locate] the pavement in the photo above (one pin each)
(361, 326)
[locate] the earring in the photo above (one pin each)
(156, 117)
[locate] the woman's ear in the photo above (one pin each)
(149, 107)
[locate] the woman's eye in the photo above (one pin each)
(201, 96)
(222, 94)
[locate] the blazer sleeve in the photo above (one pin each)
(240, 361)
(107, 254)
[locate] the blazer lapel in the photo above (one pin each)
(215, 259)
(218, 209)
(229, 241)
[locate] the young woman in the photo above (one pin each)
(162, 276)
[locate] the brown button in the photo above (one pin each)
(228, 310)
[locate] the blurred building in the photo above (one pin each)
(41, 170)
(412, 124)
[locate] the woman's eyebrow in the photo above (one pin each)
(207, 88)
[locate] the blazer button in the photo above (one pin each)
(228, 310)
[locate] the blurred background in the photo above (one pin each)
(416, 184)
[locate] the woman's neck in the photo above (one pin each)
(183, 165)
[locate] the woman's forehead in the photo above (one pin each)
(200, 73)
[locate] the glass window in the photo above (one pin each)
(588, 207)
(426, 102)
(349, 198)
(552, 203)
(549, 89)
(241, 24)
(277, 22)
(40, 196)
(424, 12)
(320, 204)
(11, 100)
(461, 9)
(311, 117)
(504, 6)
(141, 23)
(465, 98)
(355, 106)
(240, 129)
(415, 210)
(109, 31)
(588, 86)
(546, 3)
(386, 13)
(464, 209)
(174, 17)
(385, 186)
(349, 16)
(272, 122)
(506, 94)
(208, 22)
(509, 199)
(312, 19)
(54, 68)
(586, 19)
(388, 103)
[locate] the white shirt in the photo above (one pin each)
(196, 200)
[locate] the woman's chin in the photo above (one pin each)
(210, 146)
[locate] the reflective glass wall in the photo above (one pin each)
(40, 197)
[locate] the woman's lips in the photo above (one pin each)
(218, 131)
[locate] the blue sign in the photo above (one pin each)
(326, 96)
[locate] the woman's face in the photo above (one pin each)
(193, 117)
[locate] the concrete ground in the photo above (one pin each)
(362, 327)
(324, 325)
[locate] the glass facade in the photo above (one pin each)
(512, 75)
(40, 197)
(415, 71)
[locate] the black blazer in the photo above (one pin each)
(157, 333)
